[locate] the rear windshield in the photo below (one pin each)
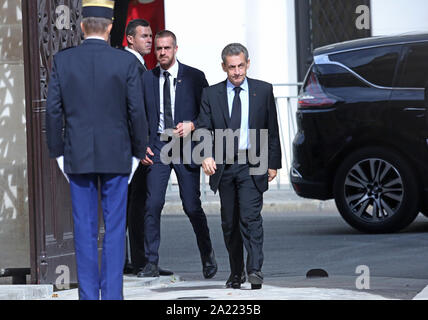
(376, 65)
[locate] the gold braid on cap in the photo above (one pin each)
(98, 3)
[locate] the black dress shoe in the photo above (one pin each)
(128, 269)
(231, 277)
(256, 279)
(236, 282)
(209, 265)
(149, 270)
(164, 272)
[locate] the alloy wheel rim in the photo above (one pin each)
(374, 190)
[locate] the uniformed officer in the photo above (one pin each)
(95, 96)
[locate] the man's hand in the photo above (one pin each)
(184, 128)
(209, 166)
(147, 161)
(271, 174)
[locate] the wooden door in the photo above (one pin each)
(48, 26)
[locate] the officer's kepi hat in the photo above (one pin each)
(98, 8)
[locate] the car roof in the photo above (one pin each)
(372, 42)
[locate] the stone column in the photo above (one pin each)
(14, 228)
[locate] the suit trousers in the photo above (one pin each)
(189, 184)
(84, 197)
(137, 191)
(241, 220)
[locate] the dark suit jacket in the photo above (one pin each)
(189, 85)
(95, 95)
(262, 115)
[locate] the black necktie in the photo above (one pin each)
(167, 111)
(235, 118)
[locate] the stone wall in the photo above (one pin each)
(14, 229)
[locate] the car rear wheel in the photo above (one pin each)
(376, 191)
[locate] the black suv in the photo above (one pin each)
(362, 131)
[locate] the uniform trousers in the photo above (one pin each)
(93, 280)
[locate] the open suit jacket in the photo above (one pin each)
(104, 120)
(189, 85)
(262, 115)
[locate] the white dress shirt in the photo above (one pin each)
(245, 108)
(95, 37)
(173, 74)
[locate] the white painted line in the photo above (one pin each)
(423, 295)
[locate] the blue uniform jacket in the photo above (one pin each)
(95, 113)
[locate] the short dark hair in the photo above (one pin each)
(133, 24)
(95, 25)
(234, 49)
(166, 33)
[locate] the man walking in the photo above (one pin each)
(172, 93)
(95, 96)
(242, 105)
(140, 39)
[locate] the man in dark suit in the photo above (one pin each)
(139, 38)
(95, 96)
(247, 107)
(172, 93)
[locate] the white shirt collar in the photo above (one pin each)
(230, 86)
(173, 70)
(136, 53)
(95, 37)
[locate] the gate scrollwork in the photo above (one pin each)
(51, 38)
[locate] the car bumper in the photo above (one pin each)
(309, 189)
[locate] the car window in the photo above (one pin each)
(415, 67)
(334, 76)
(376, 65)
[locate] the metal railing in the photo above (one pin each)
(286, 105)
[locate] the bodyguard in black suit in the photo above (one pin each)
(248, 105)
(95, 96)
(139, 37)
(172, 93)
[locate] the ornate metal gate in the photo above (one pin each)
(49, 26)
(323, 22)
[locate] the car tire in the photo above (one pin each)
(375, 191)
